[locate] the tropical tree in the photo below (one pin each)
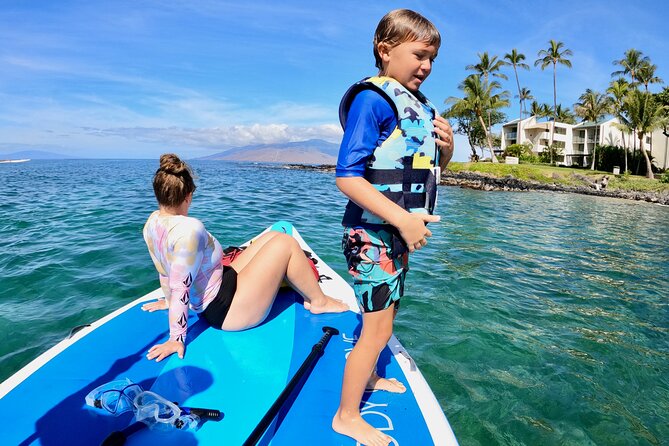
(480, 99)
(630, 63)
(488, 67)
(540, 110)
(524, 96)
(565, 115)
(515, 59)
(663, 99)
(555, 54)
(550, 152)
(591, 106)
(646, 75)
(466, 123)
(645, 114)
(617, 91)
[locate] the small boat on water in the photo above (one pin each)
(14, 161)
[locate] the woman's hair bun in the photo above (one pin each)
(171, 163)
(173, 181)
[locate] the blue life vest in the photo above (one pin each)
(402, 167)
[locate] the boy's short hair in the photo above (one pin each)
(404, 25)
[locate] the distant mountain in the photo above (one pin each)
(313, 151)
(33, 155)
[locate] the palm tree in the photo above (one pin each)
(479, 99)
(663, 99)
(540, 110)
(555, 54)
(631, 63)
(617, 91)
(515, 59)
(644, 115)
(487, 67)
(565, 115)
(592, 105)
(646, 74)
(525, 95)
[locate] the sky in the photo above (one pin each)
(137, 78)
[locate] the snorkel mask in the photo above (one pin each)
(120, 396)
(157, 412)
(115, 397)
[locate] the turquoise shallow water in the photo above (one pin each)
(537, 318)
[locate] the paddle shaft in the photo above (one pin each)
(118, 438)
(304, 369)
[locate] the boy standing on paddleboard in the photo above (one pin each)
(394, 147)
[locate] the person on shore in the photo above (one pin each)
(188, 261)
(602, 183)
(394, 147)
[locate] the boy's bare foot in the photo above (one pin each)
(327, 305)
(389, 385)
(359, 430)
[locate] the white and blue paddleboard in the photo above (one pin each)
(239, 373)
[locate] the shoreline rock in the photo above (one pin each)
(317, 167)
(474, 180)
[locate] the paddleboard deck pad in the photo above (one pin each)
(239, 373)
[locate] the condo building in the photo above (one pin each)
(577, 142)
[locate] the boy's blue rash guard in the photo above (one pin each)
(370, 121)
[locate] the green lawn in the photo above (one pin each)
(561, 175)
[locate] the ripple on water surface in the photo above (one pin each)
(537, 318)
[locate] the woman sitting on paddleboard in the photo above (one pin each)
(188, 260)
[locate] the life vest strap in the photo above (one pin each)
(396, 176)
(408, 200)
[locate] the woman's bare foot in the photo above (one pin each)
(389, 385)
(359, 430)
(326, 305)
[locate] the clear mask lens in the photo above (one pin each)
(155, 410)
(120, 401)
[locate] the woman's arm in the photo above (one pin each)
(185, 257)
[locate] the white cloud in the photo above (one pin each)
(221, 138)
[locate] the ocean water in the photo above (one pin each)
(537, 318)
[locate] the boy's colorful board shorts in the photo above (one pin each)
(378, 279)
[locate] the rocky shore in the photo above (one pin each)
(473, 180)
(318, 167)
